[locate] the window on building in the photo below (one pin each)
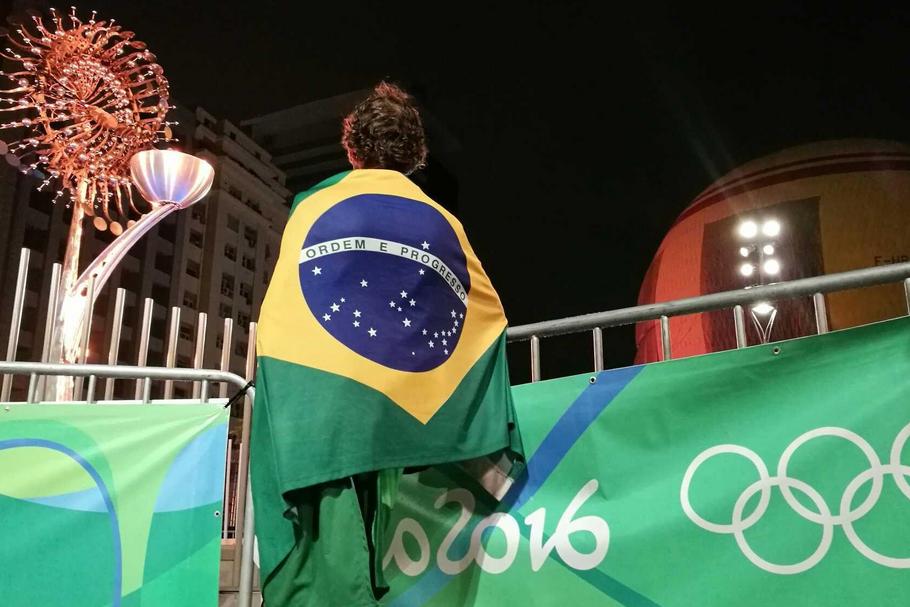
(227, 285)
(251, 236)
(246, 292)
(130, 281)
(168, 230)
(196, 238)
(219, 340)
(230, 251)
(249, 263)
(192, 268)
(190, 299)
(243, 319)
(160, 294)
(184, 362)
(165, 263)
(186, 331)
(225, 311)
(233, 223)
(34, 239)
(235, 192)
(240, 348)
(198, 213)
(181, 392)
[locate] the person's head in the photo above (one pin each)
(384, 131)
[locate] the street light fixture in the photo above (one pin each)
(758, 251)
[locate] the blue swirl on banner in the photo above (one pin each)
(554, 447)
(102, 488)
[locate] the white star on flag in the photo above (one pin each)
(461, 316)
(413, 354)
(456, 323)
(404, 294)
(421, 271)
(435, 334)
(343, 300)
(317, 270)
(399, 308)
(413, 303)
(425, 245)
(453, 313)
(335, 307)
(372, 332)
(424, 331)
(363, 283)
(445, 343)
(326, 317)
(391, 304)
(356, 323)
(356, 313)
(446, 351)
(406, 322)
(431, 344)
(453, 330)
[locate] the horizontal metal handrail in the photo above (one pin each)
(122, 372)
(715, 301)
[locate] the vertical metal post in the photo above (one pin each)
(821, 313)
(86, 334)
(907, 293)
(116, 329)
(535, 358)
(15, 322)
(143, 385)
(739, 322)
(227, 489)
(201, 322)
(598, 349)
(665, 338)
(171, 359)
(243, 572)
(245, 587)
(37, 392)
(226, 341)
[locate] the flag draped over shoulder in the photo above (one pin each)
(381, 345)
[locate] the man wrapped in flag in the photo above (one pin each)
(381, 348)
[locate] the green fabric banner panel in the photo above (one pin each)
(111, 505)
(773, 475)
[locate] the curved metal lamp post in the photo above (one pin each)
(169, 181)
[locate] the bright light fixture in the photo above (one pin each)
(763, 308)
(748, 229)
(744, 251)
(746, 269)
(768, 249)
(771, 228)
(772, 266)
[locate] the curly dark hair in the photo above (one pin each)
(385, 132)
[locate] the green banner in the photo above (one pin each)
(111, 505)
(774, 475)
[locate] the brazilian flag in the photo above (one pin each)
(381, 345)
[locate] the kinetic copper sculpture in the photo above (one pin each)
(90, 97)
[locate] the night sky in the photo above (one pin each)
(584, 131)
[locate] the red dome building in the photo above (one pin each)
(815, 209)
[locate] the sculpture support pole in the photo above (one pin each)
(65, 339)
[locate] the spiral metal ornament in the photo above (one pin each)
(88, 96)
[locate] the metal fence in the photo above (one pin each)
(238, 506)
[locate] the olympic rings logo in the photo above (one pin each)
(823, 516)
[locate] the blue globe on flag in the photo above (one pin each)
(387, 277)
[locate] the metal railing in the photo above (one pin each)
(816, 287)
